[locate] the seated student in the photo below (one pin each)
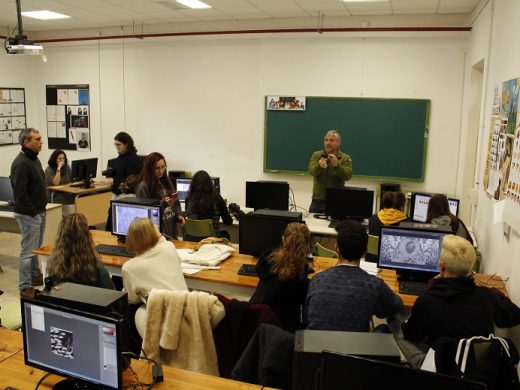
(203, 202)
(156, 264)
(283, 276)
(439, 214)
(74, 258)
(57, 173)
(391, 213)
(454, 306)
(345, 297)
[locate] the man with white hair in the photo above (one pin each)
(454, 306)
(330, 168)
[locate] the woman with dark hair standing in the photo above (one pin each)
(155, 184)
(126, 163)
(73, 258)
(439, 214)
(204, 202)
(283, 276)
(57, 173)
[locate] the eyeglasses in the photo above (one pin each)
(161, 168)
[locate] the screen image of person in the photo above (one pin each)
(329, 167)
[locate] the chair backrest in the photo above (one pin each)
(320, 250)
(373, 245)
(198, 228)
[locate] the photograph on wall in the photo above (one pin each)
(12, 114)
(510, 103)
(286, 103)
(83, 138)
(68, 116)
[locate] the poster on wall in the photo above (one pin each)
(68, 117)
(12, 114)
(511, 213)
(510, 104)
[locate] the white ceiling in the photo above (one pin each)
(95, 14)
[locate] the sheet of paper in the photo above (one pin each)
(83, 96)
(15, 136)
(51, 113)
(63, 96)
(72, 136)
(60, 113)
(18, 122)
(190, 271)
(51, 129)
(73, 96)
(17, 95)
(60, 130)
(498, 211)
(2, 137)
(369, 267)
(4, 95)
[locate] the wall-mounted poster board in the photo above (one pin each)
(386, 138)
(12, 114)
(68, 117)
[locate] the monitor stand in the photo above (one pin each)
(74, 384)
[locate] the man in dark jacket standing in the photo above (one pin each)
(30, 199)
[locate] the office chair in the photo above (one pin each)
(197, 229)
(320, 250)
(373, 245)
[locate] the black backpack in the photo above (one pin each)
(490, 360)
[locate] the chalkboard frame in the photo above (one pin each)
(416, 129)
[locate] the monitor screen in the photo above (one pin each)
(182, 185)
(339, 371)
(85, 169)
(78, 345)
(341, 203)
(257, 233)
(6, 190)
(406, 249)
(125, 210)
(419, 206)
(272, 195)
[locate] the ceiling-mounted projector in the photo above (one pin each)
(22, 47)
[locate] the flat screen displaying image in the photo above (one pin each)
(82, 346)
(341, 203)
(273, 195)
(410, 249)
(124, 213)
(419, 207)
(6, 190)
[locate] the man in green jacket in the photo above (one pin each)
(330, 168)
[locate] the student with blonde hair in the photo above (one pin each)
(454, 306)
(283, 276)
(156, 264)
(74, 258)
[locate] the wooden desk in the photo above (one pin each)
(228, 282)
(93, 202)
(14, 372)
(8, 222)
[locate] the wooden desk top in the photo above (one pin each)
(98, 187)
(227, 274)
(15, 373)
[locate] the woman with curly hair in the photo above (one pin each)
(154, 183)
(439, 214)
(283, 276)
(73, 258)
(204, 202)
(57, 173)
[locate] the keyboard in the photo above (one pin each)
(248, 270)
(113, 250)
(6, 207)
(412, 287)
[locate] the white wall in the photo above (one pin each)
(199, 101)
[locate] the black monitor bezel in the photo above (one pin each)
(6, 180)
(89, 174)
(404, 270)
(117, 322)
(134, 201)
(345, 191)
(259, 195)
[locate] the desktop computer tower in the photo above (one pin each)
(279, 214)
(308, 345)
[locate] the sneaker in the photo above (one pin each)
(37, 280)
(29, 292)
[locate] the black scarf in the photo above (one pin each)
(29, 153)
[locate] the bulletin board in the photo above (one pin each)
(12, 114)
(68, 117)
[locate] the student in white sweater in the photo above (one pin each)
(156, 265)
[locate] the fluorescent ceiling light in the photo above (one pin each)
(44, 15)
(194, 4)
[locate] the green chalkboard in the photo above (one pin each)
(386, 138)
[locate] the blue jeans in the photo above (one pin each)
(32, 229)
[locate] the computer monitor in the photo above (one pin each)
(339, 371)
(257, 233)
(419, 206)
(84, 170)
(272, 195)
(342, 203)
(125, 210)
(6, 190)
(84, 347)
(182, 185)
(413, 253)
